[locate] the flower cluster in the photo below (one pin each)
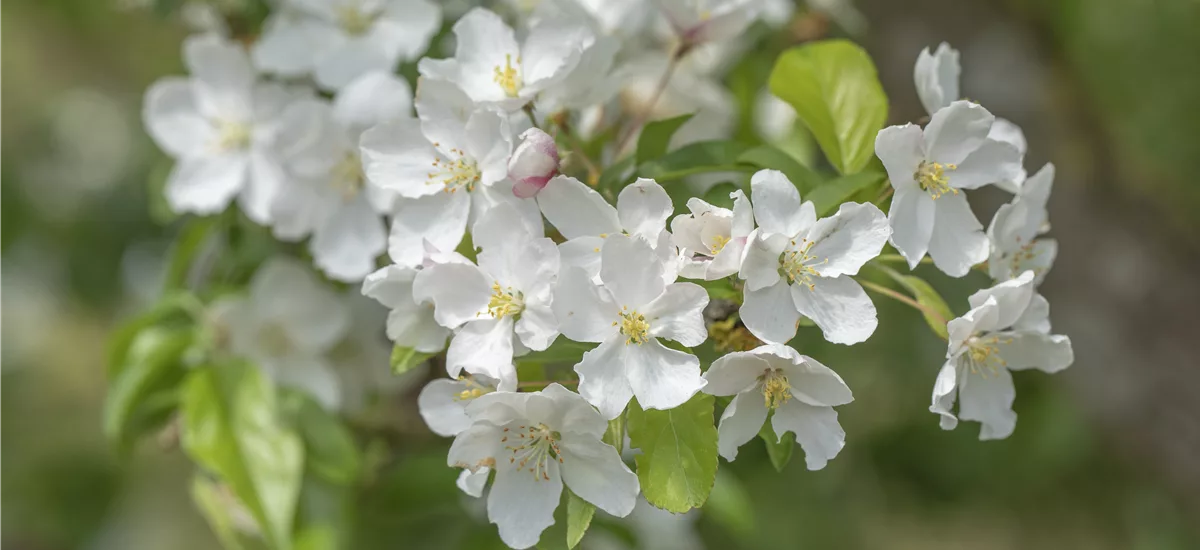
(500, 241)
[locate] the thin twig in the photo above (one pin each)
(902, 298)
(661, 87)
(884, 196)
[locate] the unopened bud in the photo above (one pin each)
(533, 163)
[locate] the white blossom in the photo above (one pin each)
(626, 315)
(536, 443)
(1007, 329)
(1015, 229)
(443, 402)
(929, 211)
(287, 324)
(796, 265)
(219, 125)
(533, 163)
(327, 195)
(712, 240)
(937, 78)
(701, 21)
(493, 69)
(336, 41)
(800, 391)
(508, 292)
(586, 219)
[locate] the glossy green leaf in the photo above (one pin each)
(142, 393)
(833, 86)
(768, 157)
(696, 158)
(170, 310)
(405, 359)
(656, 137)
(833, 193)
(331, 452)
(230, 427)
(579, 517)
(678, 464)
(779, 450)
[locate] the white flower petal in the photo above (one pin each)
(311, 375)
(957, 242)
(769, 313)
(489, 142)
(371, 99)
(473, 483)
(444, 412)
(348, 60)
(977, 320)
(571, 413)
(443, 109)
(945, 389)
(346, 246)
(602, 378)
(173, 119)
(811, 381)
(397, 157)
(484, 44)
(577, 210)
(206, 185)
(289, 44)
(225, 78)
(740, 422)
(839, 306)
(936, 76)
(537, 327)
(743, 215)
(734, 373)
(594, 472)
(551, 50)
(992, 162)
(582, 252)
(986, 397)
(848, 239)
(312, 316)
(521, 505)
(584, 312)
(1012, 298)
(408, 324)
(678, 314)
(1031, 350)
(459, 292)
(760, 266)
(816, 428)
(912, 219)
(661, 378)
(439, 220)
(901, 148)
(477, 446)
(643, 208)
(777, 206)
(630, 270)
(483, 347)
(1036, 317)
(956, 131)
(407, 26)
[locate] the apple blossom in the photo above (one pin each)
(798, 391)
(1014, 232)
(711, 239)
(796, 265)
(700, 21)
(533, 163)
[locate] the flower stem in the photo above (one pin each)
(902, 298)
(661, 87)
(577, 149)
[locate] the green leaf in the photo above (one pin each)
(330, 451)
(833, 87)
(191, 239)
(718, 195)
(833, 193)
(323, 520)
(615, 434)
(579, 517)
(779, 450)
(152, 367)
(696, 158)
(214, 506)
(729, 504)
(768, 157)
(927, 296)
(231, 428)
(561, 351)
(678, 464)
(170, 310)
(405, 359)
(656, 136)
(616, 175)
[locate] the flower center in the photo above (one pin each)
(534, 446)
(775, 388)
(634, 327)
(505, 301)
(347, 175)
(454, 173)
(474, 389)
(983, 354)
(508, 77)
(232, 135)
(1024, 254)
(932, 178)
(798, 265)
(718, 242)
(274, 340)
(353, 20)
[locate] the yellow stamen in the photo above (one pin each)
(508, 77)
(347, 175)
(775, 387)
(634, 327)
(474, 389)
(505, 302)
(232, 135)
(932, 178)
(354, 21)
(455, 173)
(719, 242)
(539, 445)
(983, 354)
(798, 266)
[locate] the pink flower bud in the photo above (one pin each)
(533, 163)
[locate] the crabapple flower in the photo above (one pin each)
(409, 324)
(327, 195)
(712, 239)
(796, 265)
(287, 324)
(801, 392)
(533, 163)
(445, 167)
(700, 21)
(627, 315)
(494, 70)
(219, 125)
(1015, 229)
(336, 41)
(1005, 330)
(509, 291)
(937, 76)
(537, 442)
(586, 219)
(443, 402)
(929, 212)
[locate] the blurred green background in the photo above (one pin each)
(1106, 455)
